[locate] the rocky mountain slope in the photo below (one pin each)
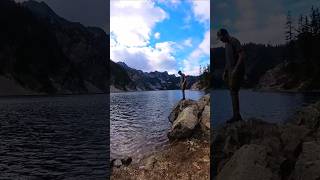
(137, 80)
(290, 76)
(44, 53)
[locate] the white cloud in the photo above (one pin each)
(132, 21)
(188, 42)
(157, 35)
(191, 65)
(131, 25)
(201, 10)
(160, 58)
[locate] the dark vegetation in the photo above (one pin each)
(205, 78)
(302, 49)
(259, 59)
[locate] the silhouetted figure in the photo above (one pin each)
(234, 70)
(183, 84)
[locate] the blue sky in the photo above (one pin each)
(162, 35)
(257, 21)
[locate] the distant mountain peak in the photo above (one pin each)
(42, 10)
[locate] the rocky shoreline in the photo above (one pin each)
(187, 156)
(254, 149)
(247, 150)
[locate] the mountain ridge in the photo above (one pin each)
(142, 81)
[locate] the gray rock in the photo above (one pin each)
(204, 101)
(308, 164)
(292, 136)
(205, 120)
(185, 123)
(248, 163)
(117, 163)
(309, 116)
(126, 161)
(179, 107)
(150, 162)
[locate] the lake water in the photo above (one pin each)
(139, 121)
(63, 137)
(273, 107)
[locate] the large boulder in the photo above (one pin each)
(248, 163)
(177, 109)
(205, 120)
(185, 123)
(287, 151)
(309, 116)
(227, 140)
(291, 138)
(308, 163)
(190, 117)
(204, 101)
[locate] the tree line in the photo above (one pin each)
(302, 40)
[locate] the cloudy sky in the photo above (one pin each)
(162, 35)
(87, 12)
(259, 21)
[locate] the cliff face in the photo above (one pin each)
(44, 53)
(294, 76)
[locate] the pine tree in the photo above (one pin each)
(313, 21)
(289, 28)
(300, 26)
(306, 25)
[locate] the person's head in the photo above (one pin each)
(223, 35)
(180, 73)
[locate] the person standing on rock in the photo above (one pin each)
(183, 84)
(234, 70)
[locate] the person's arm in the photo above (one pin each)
(184, 79)
(241, 56)
(224, 74)
(239, 62)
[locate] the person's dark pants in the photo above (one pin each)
(183, 94)
(234, 86)
(235, 104)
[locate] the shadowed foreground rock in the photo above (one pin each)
(254, 149)
(188, 154)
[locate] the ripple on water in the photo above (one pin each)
(54, 137)
(139, 121)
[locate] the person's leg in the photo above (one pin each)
(235, 83)
(235, 104)
(183, 95)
